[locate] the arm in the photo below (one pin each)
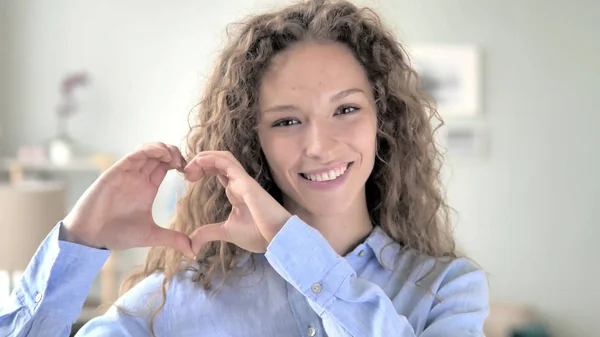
(57, 281)
(50, 295)
(350, 306)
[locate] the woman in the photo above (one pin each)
(312, 206)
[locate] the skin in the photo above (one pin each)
(330, 118)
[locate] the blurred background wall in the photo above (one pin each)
(525, 211)
(3, 63)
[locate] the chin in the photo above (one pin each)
(327, 207)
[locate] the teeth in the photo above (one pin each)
(326, 176)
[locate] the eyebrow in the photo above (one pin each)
(345, 93)
(336, 97)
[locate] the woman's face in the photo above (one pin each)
(317, 127)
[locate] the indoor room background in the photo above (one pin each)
(522, 162)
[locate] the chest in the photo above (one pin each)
(276, 310)
(264, 304)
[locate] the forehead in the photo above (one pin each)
(312, 68)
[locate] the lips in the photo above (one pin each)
(326, 175)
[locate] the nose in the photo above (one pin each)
(321, 142)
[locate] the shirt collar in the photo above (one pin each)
(378, 243)
(383, 246)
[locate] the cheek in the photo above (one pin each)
(365, 136)
(280, 156)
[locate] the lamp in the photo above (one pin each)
(28, 212)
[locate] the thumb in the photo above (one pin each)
(208, 233)
(171, 238)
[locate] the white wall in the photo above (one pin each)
(525, 212)
(147, 60)
(3, 46)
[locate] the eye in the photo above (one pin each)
(346, 109)
(286, 122)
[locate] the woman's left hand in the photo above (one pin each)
(255, 216)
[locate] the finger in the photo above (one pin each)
(183, 162)
(175, 162)
(223, 179)
(149, 166)
(211, 153)
(211, 164)
(233, 159)
(197, 172)
(177, 157)
(208, 233)
(135, 161)
(234, 197)
(160, 172)
(170, 238)
(225, 154)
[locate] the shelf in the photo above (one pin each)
(94, 164)
(76, 165)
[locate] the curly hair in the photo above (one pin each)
(403, 192)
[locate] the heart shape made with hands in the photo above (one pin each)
(115, 212)
(255, 216)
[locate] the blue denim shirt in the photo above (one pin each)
(299, 287)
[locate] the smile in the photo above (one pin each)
(328, 175)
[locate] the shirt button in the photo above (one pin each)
(312, 331)
(361, 253)
(38, 297)
(316, 288)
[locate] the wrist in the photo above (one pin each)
(278, 224)
(66, 235)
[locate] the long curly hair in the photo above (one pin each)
(403, 192)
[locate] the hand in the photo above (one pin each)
(255, 216)
(116, 211)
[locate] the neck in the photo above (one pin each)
(343, 231)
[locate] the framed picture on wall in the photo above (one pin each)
(450, 74)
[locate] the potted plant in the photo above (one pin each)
(61, 150)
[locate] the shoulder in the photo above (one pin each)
(157, 295)
(410, 267)
(139, 296)
(149, 293)
(447, 276)
(139, 311)
(423, 268)
(460, 275)
(408, 271)
(438, 293)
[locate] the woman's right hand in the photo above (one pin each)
(115, 212)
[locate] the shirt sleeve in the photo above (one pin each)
(355, 307)
(51, 292)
